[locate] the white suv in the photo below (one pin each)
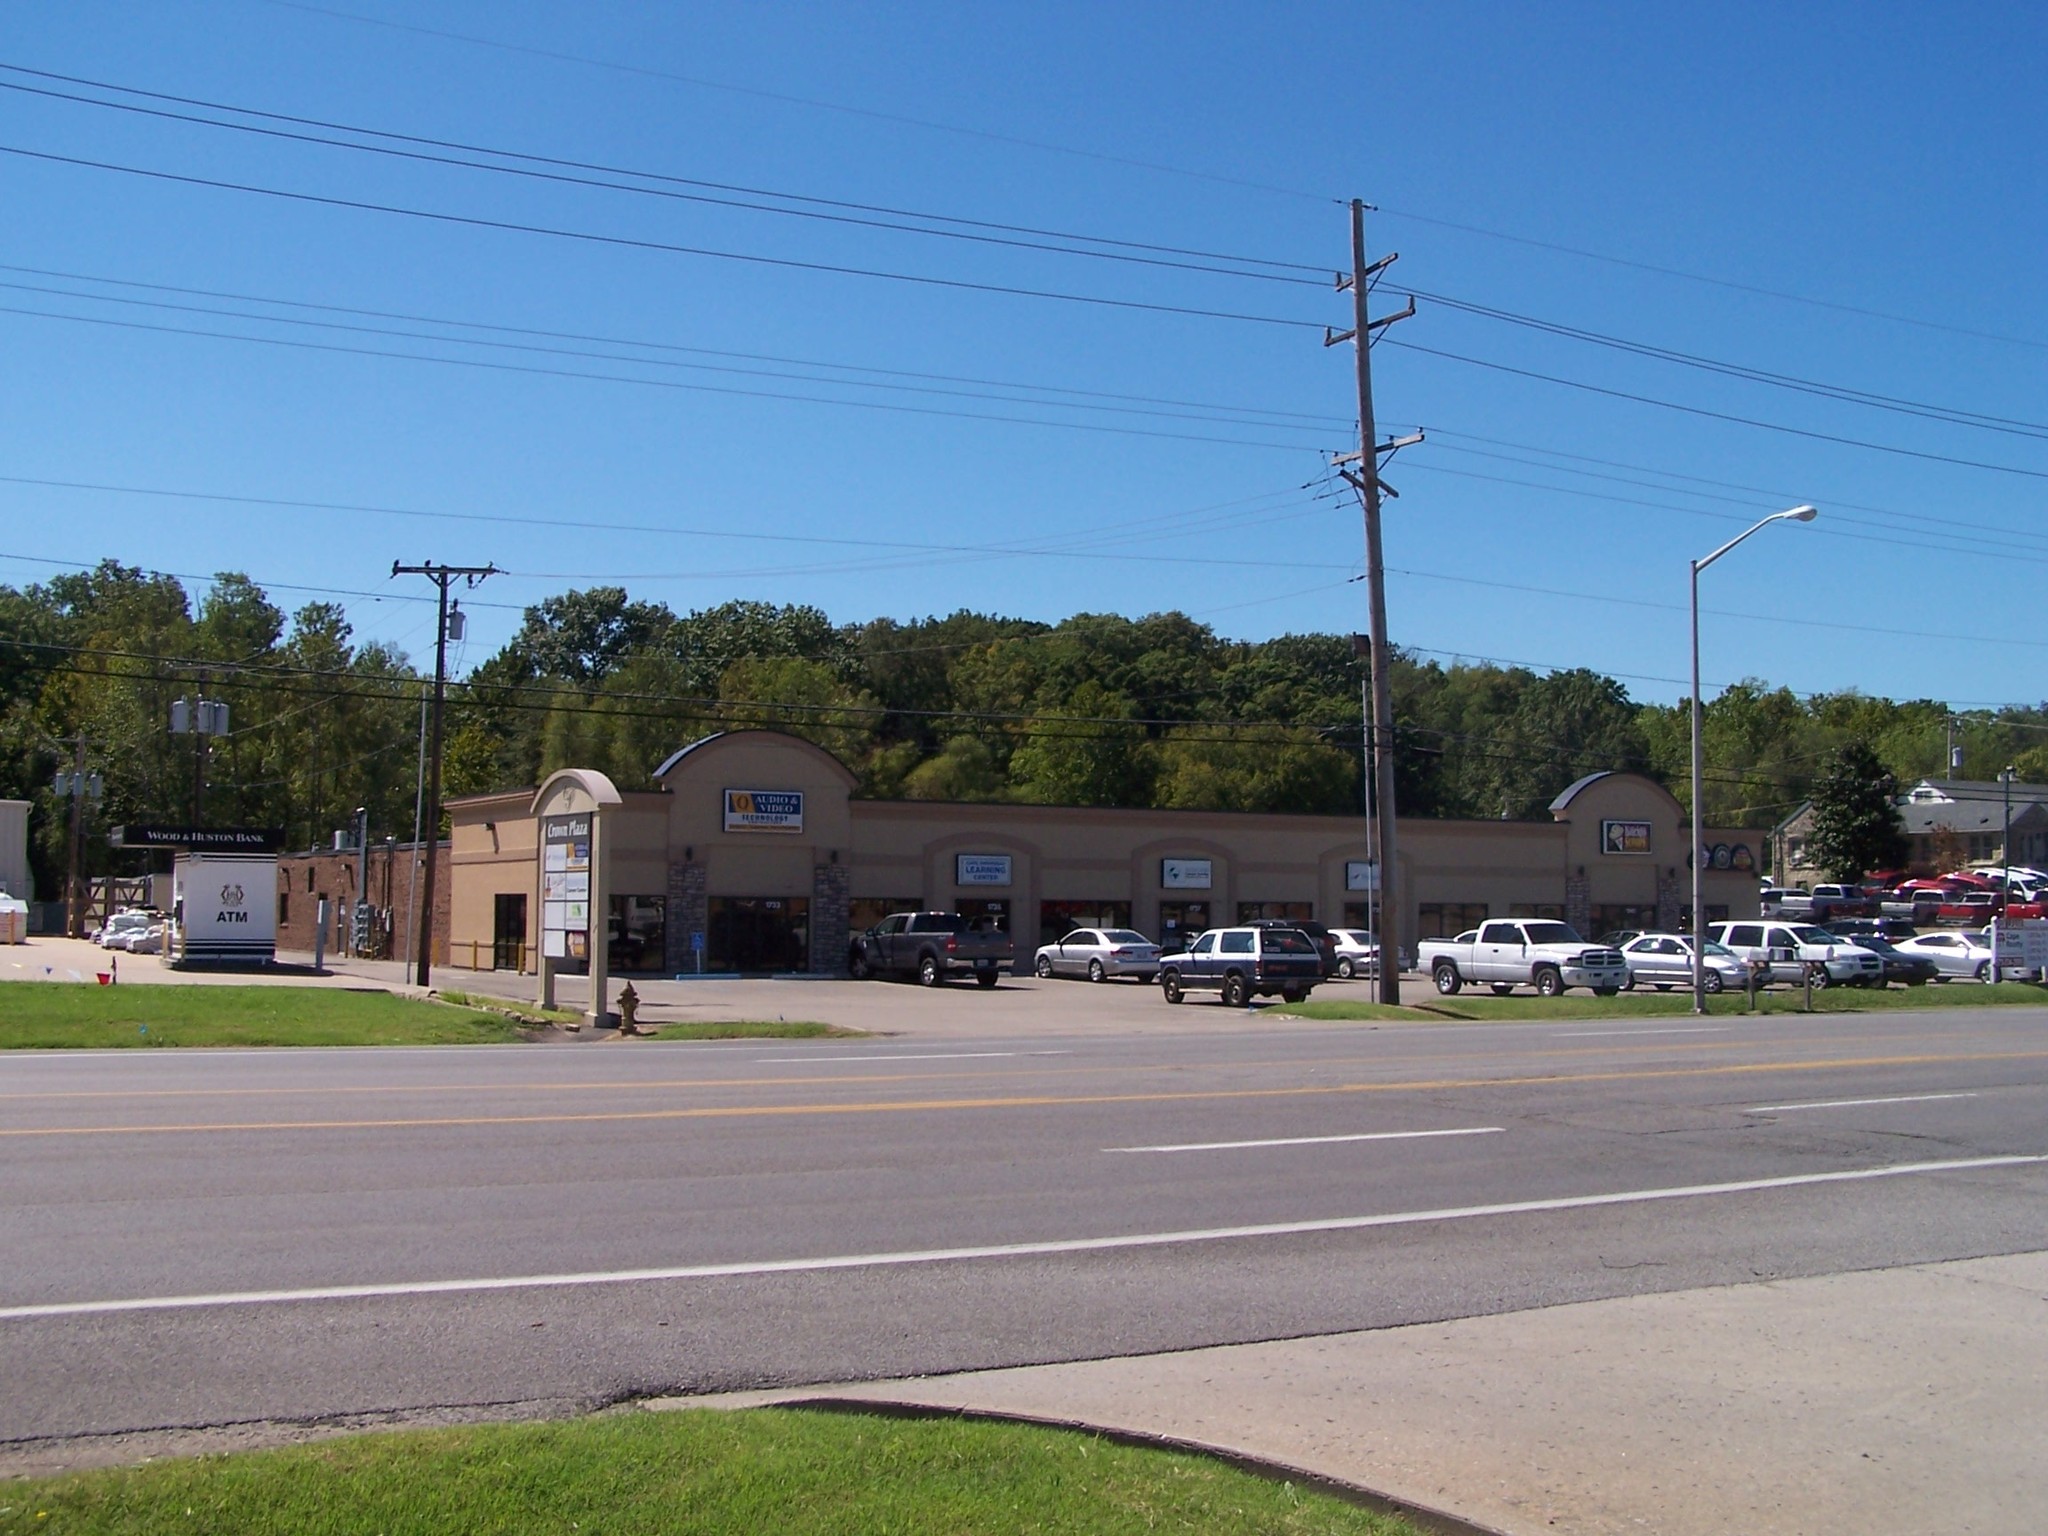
(1798, 951)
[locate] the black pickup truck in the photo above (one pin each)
(931, 946)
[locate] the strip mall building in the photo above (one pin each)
(755, 855)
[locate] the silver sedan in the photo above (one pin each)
(1100, 953)
(1664, 961)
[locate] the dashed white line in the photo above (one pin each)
(1313, 1141)
(999, 1250)
(1904, 1098)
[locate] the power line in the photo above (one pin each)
(630, 242)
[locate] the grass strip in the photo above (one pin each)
(1640, 1005)
(755, 1029)
(510, 1007)
(56, 1015)
(697, 1471)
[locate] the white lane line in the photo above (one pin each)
(1000, 1250)
(1313, 1141)
(1598, 1034)
(884, 1057)
(1904, 1098)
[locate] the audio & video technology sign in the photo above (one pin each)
(764, 810)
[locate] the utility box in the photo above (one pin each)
(226, 907)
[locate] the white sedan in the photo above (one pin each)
(1664, 961)
(1961, 954)
(1098, 954)
(1358, 952)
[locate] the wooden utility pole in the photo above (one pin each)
(442, 576)
(1365, 479)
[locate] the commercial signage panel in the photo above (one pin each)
(1625, 837)
(981, 869)
(565, 887)
(1361, 875)
(1185, 874)
(764, 810)
(199, 839)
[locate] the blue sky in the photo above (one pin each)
(1846, 194)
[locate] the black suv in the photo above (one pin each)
(1324, 940)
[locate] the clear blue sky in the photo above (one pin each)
(1881, 161)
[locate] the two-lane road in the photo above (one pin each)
(197, 1238)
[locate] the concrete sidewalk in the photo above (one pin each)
(1899, 1400)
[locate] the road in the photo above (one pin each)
(208, 1238)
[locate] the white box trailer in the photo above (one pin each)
(225, 906)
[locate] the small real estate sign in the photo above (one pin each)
(1625, 837)
(764, 810)
(565, 887)
(1185, 874)
(981, 869)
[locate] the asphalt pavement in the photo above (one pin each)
(1503, 1267)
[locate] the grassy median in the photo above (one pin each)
(1484, 1007)
(699, 1471)
(48, 1015)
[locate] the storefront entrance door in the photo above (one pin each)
(758, 933)
(1179, 922)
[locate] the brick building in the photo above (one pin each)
(390, 927)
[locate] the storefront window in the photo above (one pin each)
(1358, 914)
(989, 914)
(1610, 918)
(1179, 922)
(866, 911)
(1057, 919)
(1549, 911)
(1448, 919)
(1286, 911)
(639, 931)
(758, 933)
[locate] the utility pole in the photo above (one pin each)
(442, 577)
(78, 784)
(1365, 479)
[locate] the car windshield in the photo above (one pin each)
(1124, 936)
(1551, 933)
(1287, 941)
(1718, 949)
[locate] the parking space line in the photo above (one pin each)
(1903, 1098)
(1314, 1141)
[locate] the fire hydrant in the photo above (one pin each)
(629, 1005)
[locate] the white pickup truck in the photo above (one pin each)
(1510, 952)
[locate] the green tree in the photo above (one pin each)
(1856, 825)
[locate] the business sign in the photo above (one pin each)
(1184, 874)
(1361, 875)
(1624, 837)
(226, 906)
(565, 887)
(764, 810)
(199, 839)
(981, 869)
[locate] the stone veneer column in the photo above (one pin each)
(1671, 899)
(1578, 905)
(831, 915)
(688, 913)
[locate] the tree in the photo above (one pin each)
(1856, 824)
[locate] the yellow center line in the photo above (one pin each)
(1033, 1101)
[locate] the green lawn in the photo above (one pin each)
(56, 1014)
(1484, 1006)
(703, 1472)
(754, 1029)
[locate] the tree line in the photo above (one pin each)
(1098, 709)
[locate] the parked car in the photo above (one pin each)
(930, 946)
(1098, 954)
(1783, 901)
(1801, 952)
(1507, 952)
(1962, 955)
(1358, 952)
(1890, 929)
(1968, 909)
(1324, 940)
(1832, 901)
(1618, 938)
(1238, 963)
(1664, 961)
(1913, 970)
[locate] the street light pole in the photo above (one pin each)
(1800, 514)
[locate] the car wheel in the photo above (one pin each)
(857, 965)
(1711, 981)
(1293, 994)
(1235, 993)
(1096, 972)
(1549, 983)
(1447, 979)
(1818, 976)
(1502, 988)
(1344, 968)
(1169, 983)
(1983, 971)
(1044, 968)
(985, 978)
(929, 973)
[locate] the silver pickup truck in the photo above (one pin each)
(1509, 952)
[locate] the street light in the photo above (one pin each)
(1801, 514)
(2005, 875)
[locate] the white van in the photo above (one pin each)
(1798, 951)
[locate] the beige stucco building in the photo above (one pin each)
(754, 855)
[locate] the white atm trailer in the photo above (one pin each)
(226, 909)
